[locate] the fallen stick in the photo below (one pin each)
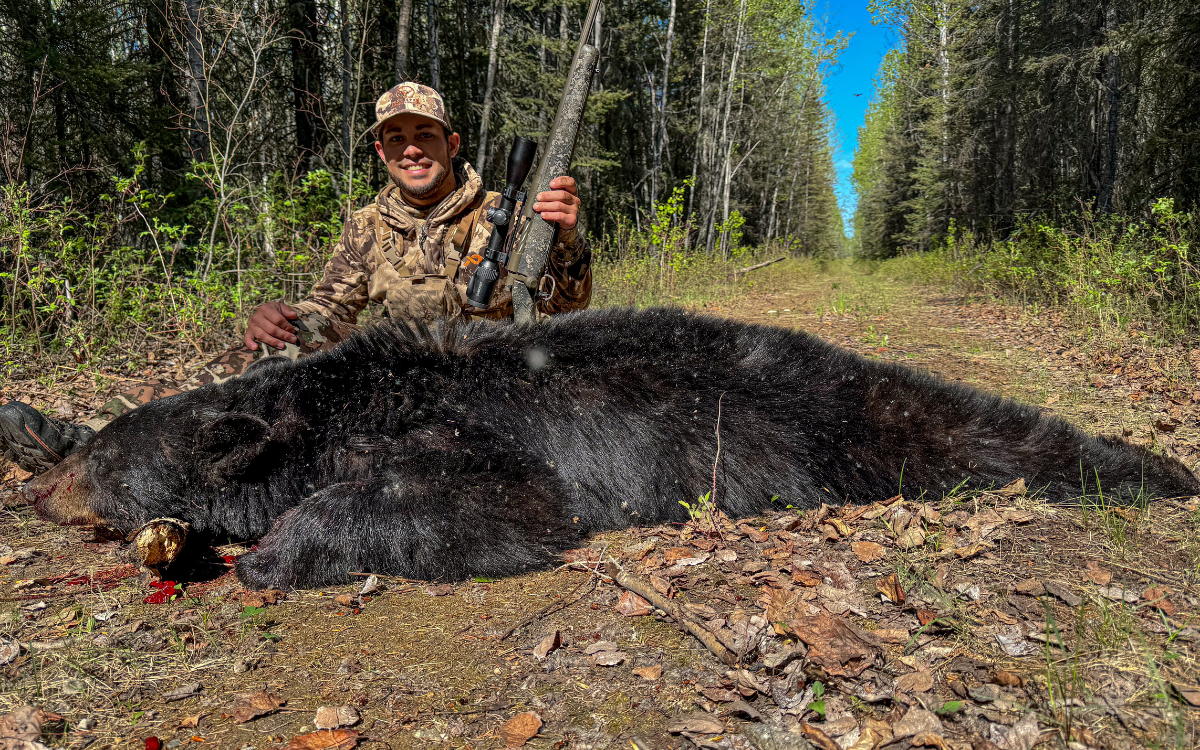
(631, 582)
(756, 266)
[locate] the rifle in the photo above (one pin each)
(502, 217)
(535, 237)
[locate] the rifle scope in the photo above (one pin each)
(502, 217)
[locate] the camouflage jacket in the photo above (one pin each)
(418, 263)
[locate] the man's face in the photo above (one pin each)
(418, 153)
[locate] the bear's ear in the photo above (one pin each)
(227, 445)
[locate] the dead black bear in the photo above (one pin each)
(487, 449)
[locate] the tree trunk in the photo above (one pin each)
(661, 138)
(493, 64)
(403, 25)
(199, 136)
(699, 112)
(943, 21)
(307, 94)
(347, 99)
(727, 141)
(435, 59)
(1112, 65)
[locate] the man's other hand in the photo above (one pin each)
(269, 324)
(560, 203)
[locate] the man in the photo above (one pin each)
(414, 249)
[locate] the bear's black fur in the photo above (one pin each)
(487, 449)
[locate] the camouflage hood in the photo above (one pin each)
(431, 224)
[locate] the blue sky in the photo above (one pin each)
(854, 74)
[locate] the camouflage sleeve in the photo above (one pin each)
(341, 294)
(571, 268)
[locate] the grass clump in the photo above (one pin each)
(1111, 271)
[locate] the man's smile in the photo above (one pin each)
(419, 169)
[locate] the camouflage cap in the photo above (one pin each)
(409, 97)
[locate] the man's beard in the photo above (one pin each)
(439, 176)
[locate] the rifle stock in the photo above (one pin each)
(527, 264)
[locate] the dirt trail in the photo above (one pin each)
(1107, 381)
(997, 613)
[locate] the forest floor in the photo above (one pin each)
(977, 620)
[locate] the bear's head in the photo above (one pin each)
(172, 457)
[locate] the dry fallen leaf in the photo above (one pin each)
(755, 535)
(191, 722)
(911, 538)
(22, 728)
(890, 587)
(930, 739)
(249, 706)
(632, 605)
(180, 693)
(969, 551)
(262, 598)
(17, 473)
(817, 738)
(519, 729)
(326, 739)
(1030, 587)
(914, 682)
(333, 717)
(1156, 596)
(9, 650)
(806, 577)
(917, 721)
(1064, 592)
(868, 551)
(1012, 489)
(836, 645)
(651, 673)
(1188, 693)
(1021, 736)
(675, 554)
(546, 645)
(1097, 574)
(1118, 594)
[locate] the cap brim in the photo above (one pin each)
(380, 123)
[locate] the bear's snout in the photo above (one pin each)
(62, 494)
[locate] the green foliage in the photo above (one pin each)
(78, 280)
(701, 512)
(977, 121)
(1112, 270)
(817, 705)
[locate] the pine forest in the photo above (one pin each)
(200, 157)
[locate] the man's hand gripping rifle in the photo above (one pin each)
(535, 237)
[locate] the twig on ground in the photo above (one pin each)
(631, 582)
(556, 606)
(1153, 576)
(756, 266)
